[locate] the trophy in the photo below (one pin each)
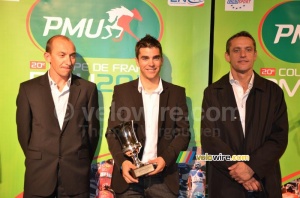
(131, 147)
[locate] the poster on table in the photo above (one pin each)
(275, 25)
(104, 33)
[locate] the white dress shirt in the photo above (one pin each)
(151, 109)
(60, 99)
(241, 97)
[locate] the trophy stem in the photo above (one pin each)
(136, 160)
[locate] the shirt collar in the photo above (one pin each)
(233, 81)
(158, 90)
(52, 83)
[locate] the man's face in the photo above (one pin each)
(241, 55)
(62, 58)
(149, 61)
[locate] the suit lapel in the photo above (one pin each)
(48, 99)
(163, 101)
(227, 99)
(231, 102)
(138, 103)
(136, 95)
(254, 109)
(74, 94)
(137, 100)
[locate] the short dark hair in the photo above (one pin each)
(240, 34)
(147, 41)
(50, 41)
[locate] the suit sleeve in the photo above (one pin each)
(93, 123)
(180, 129)
(113, 121)
(23, 118)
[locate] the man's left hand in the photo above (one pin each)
(160, 165)
(252, 185)
(240, 172)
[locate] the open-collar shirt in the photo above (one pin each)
(151, 111)
(241, 97)
(60, 99)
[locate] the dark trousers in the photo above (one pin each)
(148, 187)
(254, 194)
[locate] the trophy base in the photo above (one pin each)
(143, 170)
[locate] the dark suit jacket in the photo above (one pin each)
(46, 146)
(266, 129)
(173, 127)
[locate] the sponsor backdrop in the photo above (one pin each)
(105, 33)
(275, 26)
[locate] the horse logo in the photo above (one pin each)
(120, 19)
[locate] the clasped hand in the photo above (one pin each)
(243, 174)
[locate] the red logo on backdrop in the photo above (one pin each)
(267, 71)
(37, 65)
(98, 27)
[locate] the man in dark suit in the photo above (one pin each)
(57, 125)
(160, 112)
(244, 114)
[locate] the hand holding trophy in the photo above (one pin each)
(131, 147)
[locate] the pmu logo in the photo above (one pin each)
(98, 29)
(279, 32)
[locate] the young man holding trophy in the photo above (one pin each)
(147, 128)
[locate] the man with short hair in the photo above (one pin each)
(56, 135)
(159, 110)
(244, 114)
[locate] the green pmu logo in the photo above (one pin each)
(280, 31)
(99, 28)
